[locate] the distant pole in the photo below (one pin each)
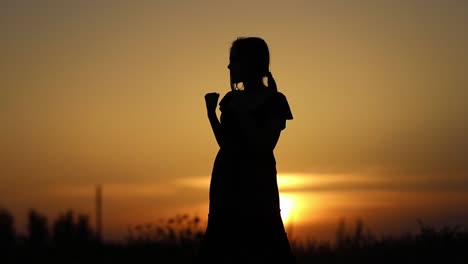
(99, 212)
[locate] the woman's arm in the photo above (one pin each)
(216, 127)
(211, 100)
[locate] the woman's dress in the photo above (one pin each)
(244, 222)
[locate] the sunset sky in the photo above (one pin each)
(111, 93)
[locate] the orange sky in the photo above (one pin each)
(112, 93)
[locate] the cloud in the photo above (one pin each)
(368, 182)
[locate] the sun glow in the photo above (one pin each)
(293, 203)
(287, 207)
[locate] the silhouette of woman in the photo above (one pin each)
(244, 222)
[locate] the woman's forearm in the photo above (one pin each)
(216, 127)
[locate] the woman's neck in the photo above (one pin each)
(253, 85)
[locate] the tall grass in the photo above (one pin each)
(177, 239)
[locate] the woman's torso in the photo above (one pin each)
(242, 178)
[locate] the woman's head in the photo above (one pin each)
(249, 60)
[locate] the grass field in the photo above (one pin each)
(176, 240)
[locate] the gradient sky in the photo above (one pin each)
(111, 92)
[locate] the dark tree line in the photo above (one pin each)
(69, 238)
(68, 229)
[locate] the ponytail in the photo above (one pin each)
(271, 82)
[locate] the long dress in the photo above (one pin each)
(244, 221)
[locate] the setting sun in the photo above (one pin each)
(290, 204)
(287, 207)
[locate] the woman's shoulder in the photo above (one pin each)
(226, 98)
(278, 104)
(231, 94)
(275, 98)
(266, 101)
(279, 97)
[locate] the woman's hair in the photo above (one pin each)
(254, 55)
